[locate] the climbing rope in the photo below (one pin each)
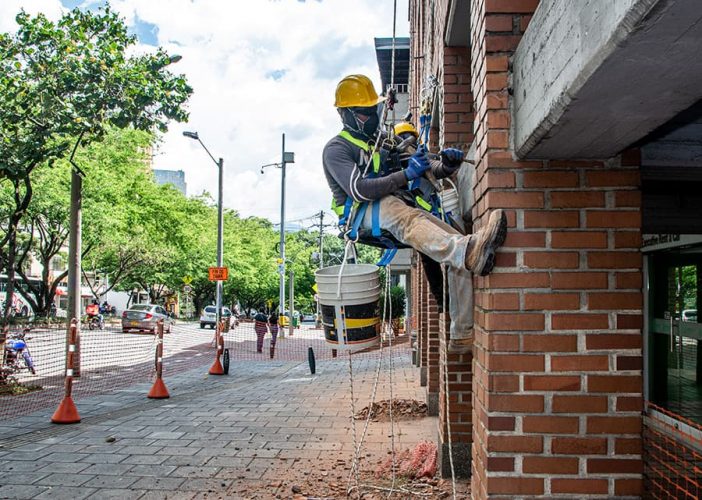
(442, 330)
(388, 326)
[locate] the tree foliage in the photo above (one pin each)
(65, 83)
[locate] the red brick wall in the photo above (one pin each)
(557, 368)
(456, 104)
(432, 346)
(453, 126)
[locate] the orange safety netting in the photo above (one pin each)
(672, 455)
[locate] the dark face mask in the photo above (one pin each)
(368, 128)
(371, 125)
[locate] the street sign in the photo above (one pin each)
(218, 273)
(314, 287)
(187, 279)
(187, 289)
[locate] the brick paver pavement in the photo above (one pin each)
(255, 433)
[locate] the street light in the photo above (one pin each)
(220, 219)
(286, 157)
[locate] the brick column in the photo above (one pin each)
(456, 131)
(423, 325)
(413, 326)
(432, 352)
(459, 412)
(557, 368)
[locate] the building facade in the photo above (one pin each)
(583, 122)
(174, 177)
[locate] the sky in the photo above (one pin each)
(259, 68)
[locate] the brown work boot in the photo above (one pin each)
(460, 346)
(480, 256)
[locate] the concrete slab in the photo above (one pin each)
(592, 77)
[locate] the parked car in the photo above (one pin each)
(689, 315)
(209, 316)
(284, 320)
(146, 317)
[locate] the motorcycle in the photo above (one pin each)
(15, 348)
(96, 323)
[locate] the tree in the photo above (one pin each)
(334, 251)
(43, 234)
(62, 84)
(251, 254)
(116, 176)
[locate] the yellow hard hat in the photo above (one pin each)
(356, 91)
(405, 127)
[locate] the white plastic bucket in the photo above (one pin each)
(349, 304)
(449, 200)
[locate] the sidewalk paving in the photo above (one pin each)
(256, 433)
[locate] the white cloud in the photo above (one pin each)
(230, 49)
(10, 8)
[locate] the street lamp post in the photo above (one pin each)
(220, 219)
(286, 157)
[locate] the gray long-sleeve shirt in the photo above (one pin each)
(344, 165)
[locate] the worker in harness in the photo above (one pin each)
(353, 167)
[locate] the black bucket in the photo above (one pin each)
(362, 325)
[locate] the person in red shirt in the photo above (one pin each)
(93, 310)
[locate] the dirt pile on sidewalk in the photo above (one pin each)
(402, 409)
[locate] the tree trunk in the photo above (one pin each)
(11, 257)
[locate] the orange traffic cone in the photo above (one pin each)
(216, 368)
(158, 391)
(66, 413)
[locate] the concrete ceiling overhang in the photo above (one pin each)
(457, 32)
(592, 77)
(384, 53)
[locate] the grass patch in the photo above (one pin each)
(11, 388)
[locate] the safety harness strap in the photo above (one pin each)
(357, 221)
(344, 211)
(375, 219)
(364, 146)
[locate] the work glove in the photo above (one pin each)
(417, 164)
(452, 158)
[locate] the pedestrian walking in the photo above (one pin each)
(261, 328)
(273, 325)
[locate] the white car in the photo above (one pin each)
(209, 316)
(689, 315)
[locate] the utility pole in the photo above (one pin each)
(74, 258)
(286, 157)
(220, 238)
(321, 239)
(282, 235)
(292, 301)
(74, 250)
(321, 261)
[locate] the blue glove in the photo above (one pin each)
(418, 164)
(452, 158)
